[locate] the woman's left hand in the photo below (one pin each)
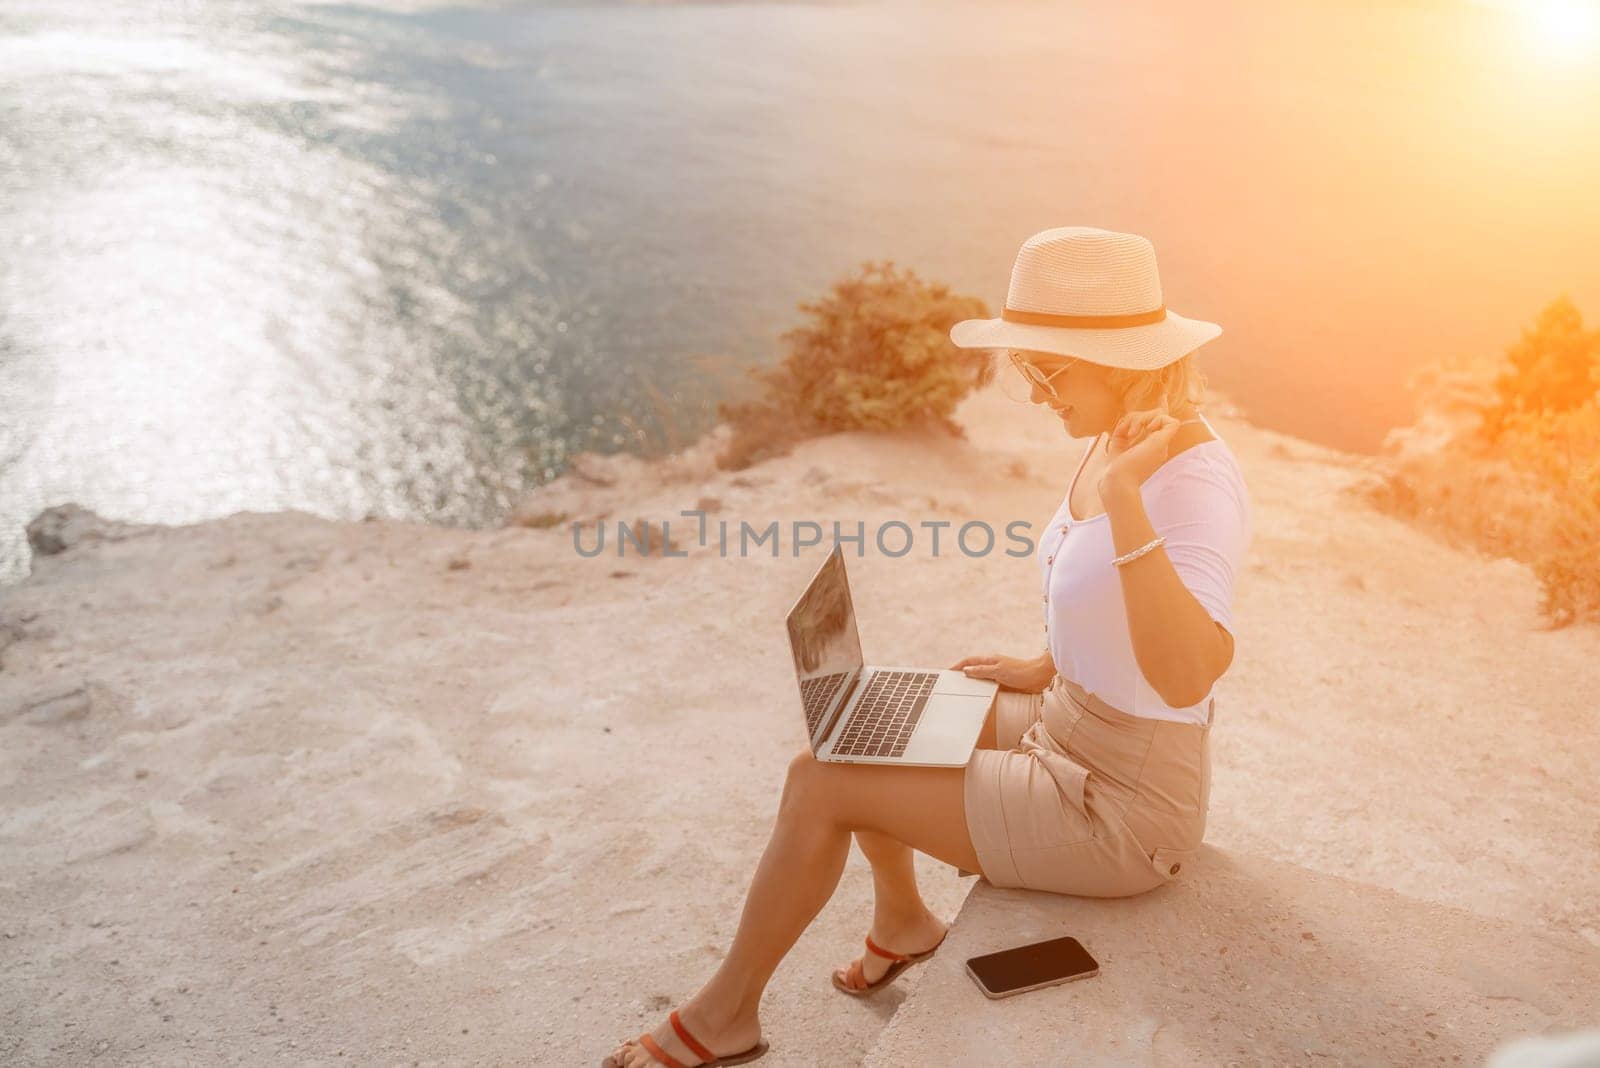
(1137, 447)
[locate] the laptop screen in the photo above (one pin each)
(826, 647)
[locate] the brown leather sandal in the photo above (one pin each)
(708, 1059)
(855, 980)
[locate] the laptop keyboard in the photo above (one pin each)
(815, 693)
(887, 713)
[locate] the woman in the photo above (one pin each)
(1137, 566)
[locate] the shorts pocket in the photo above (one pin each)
(1071, 781)
(1073, 778)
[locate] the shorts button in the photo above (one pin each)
(1174, 869)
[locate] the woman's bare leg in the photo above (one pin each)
(901, 920)
(896, 899)
(822, 805)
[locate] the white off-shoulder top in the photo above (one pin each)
(1199, 501)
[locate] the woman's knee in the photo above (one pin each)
(803, 767)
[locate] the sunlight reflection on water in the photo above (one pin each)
(406, 259)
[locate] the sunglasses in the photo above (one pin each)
(1035, 376)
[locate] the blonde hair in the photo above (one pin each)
(1178, 384)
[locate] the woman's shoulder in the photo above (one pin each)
(1206, 475)
(1208, 461)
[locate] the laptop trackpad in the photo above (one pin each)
(955, 683)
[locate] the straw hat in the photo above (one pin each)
(1090, 293)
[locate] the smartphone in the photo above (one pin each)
(1038, 964)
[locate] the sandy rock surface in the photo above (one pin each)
(280, 789)
(1249, 961)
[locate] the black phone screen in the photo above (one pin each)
(1038, 962)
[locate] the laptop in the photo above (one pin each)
(858, 713)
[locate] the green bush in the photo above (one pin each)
(874, 354)
(1521, 476)
(1553, 368)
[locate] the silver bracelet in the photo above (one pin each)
(1153, 543)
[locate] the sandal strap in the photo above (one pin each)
(658, 1053)
(856, 978)
(880, 951)
(689, 1040)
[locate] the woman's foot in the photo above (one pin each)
(721, 1038)
(917, 936)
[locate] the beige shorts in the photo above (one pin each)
(1082, 798)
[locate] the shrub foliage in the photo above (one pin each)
(1517, 473)
(873, 354)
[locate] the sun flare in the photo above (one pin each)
(1564, 30)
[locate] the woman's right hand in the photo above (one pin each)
(1030, 676)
